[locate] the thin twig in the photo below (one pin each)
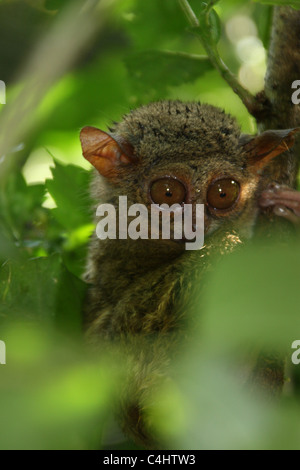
(202, 29)
(189, 13)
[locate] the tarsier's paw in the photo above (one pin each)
(285, 202)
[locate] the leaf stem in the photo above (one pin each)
(189, 13)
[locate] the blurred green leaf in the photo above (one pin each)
(41, 290)
(21, 209)
(155, 71)
(155, 23)
(258, 303)
(285, 3)
(7, 247)
(263, 15)
(20, 26)
(69, 189)
(52, 395)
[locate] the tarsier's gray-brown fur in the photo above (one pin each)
(142, 290)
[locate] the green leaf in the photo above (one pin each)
(58, 397)
(23, 220)
(42, 290)
(20, 204)
(263, 15)
(260, 299)
(289, 3)
(70, 190)
(7, 247)
(157, 70)
(155, 23)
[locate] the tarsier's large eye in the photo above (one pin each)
(223, 193)
(167, 191)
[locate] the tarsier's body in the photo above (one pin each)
(142, 290)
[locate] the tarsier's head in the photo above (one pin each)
(185, 153)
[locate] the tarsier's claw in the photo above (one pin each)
(284, 201)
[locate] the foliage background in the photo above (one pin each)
(52, 393)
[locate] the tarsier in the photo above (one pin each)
(142, 290)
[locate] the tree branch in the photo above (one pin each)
(283, 68)
(203, 30)
(189, 13)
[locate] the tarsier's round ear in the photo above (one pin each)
(104, 151)
(264, 147)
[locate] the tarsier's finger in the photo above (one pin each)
(285, 202)
(282, 211)
(270, 200)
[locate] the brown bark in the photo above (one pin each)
(279, 113)
(283, 69)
